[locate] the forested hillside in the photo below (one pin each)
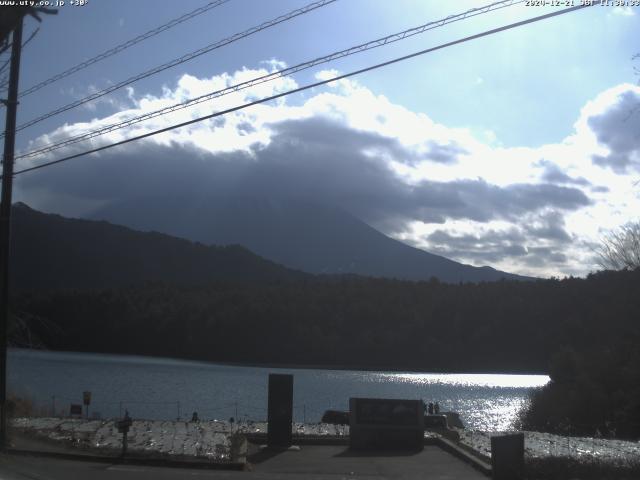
(350, 321)
(51, 252)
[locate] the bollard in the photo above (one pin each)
(507, 457)
(280, 410)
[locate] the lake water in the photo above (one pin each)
(161, 388)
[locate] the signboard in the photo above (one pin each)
(384, 423)
(378, 411)
(86, 398)
(123, 425)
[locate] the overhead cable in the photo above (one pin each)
(178, 61)
(123, 46)
(272, 76)
(308, 86)
(5, 81)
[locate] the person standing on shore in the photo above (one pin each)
(436, 408)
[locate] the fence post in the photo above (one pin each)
(178, 402)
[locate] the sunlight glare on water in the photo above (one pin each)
(488, 402)
(470, 379)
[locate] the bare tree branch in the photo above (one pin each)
(620, 249)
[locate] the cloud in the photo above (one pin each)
(328, 75)
(618, 129)
(624, 11)
(487, 247)
(549, 225)
(433, 186)
(275, 64)
(553, 174)
(536, 242)
(316, 159)
(448, 153)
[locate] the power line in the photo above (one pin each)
(33, 34)
(4, 47)
(274, 75)
(5, 82)
(180, 60)
(309, 86)
(125, 45)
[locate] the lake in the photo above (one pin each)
(162, 388)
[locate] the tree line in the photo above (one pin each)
(584, 332)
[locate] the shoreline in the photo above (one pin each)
(292, 366)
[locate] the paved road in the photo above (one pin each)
(311, 462)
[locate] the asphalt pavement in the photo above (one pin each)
(310, 462)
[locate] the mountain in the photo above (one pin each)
(50, 252)
(300, 235)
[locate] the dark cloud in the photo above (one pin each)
(317, 134)
(543, 256)
(447, 153)
(488, 247)
(618, 129)
(314, 159)
(553, 174)
(520, 244)
(245, 128)
(480, 201)
(142, 169)
(548, 225)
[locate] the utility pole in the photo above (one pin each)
(5, 220)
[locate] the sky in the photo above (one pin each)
(518, 150)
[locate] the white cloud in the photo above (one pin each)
(328, 75)
(624, 11)
(275, 64)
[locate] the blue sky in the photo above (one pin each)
(507, 115)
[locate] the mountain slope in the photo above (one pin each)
(299, 235)
(50, 251)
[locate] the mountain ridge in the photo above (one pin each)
(50, 251)
(305, 236)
